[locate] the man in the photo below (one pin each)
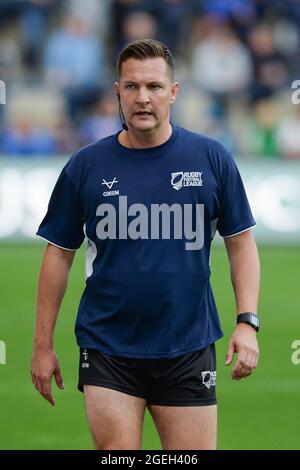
(149, 200)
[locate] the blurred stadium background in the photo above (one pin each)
(236, 61)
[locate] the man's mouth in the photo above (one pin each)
(143, 113)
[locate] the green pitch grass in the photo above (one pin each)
(260, 412)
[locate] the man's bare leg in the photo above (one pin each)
(186, 427)
(115, 418)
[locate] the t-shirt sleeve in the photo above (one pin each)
(63, 223)
(235, 214)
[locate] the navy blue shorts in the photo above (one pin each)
(185, 380)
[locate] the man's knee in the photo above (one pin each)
(126, 438)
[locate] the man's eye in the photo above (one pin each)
(156, 87)
(129, 87)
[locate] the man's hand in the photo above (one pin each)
(44, 365)
(244, 342)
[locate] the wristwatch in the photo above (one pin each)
(249, 318)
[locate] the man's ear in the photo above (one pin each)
(174, 93)
(117, 88)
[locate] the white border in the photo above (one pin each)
(62, 247)
(237, 233)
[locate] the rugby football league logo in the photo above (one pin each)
(180, 179)
(209, 378)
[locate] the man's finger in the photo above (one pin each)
(49, 398)
(241, 369)
(242, 356)
(33, 380)
(245, 372)
(242, 375)
(46, 390)
(58, 378)
(252, 360)
(235, 371)
(247, 363)
(229, 354)
(40, 386)
(246, 360)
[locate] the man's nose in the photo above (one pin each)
(142, 96)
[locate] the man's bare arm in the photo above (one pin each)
(52, 284)
(245, 277)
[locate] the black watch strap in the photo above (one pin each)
(250, 318)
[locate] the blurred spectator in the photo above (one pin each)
(174, 19)
(65, 136)
(257, 133)
(138, 25)
(217, 128)
(25, 139)
(221, 64)
(289, 134)
(270, 71)
(196, 111)
(34, 17)
(287, 41)
(8, 10)
(166, 20)
(119, 10)
(241, 14)
(93, 12)
(31, 113)
(229, 9)
(9, 57)
(73, 56)
(74, 62)
(103, 121)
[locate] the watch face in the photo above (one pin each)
(255, 320)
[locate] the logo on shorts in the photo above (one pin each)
(85, 365)
(186, 178)
(209, 378)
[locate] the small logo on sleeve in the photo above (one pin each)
(186, 178)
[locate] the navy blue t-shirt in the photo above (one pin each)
(149, 216)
